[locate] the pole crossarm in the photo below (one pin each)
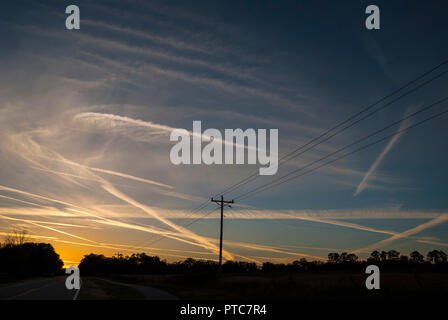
(225, 203)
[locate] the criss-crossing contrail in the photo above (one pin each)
(111, 189)
(433, 222)
(47, 227)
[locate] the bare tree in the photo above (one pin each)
(16, 237)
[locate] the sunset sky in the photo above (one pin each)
(85, 119)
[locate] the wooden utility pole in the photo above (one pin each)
(222, 203)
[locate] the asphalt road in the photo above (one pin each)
(54, 289)
(44, 289)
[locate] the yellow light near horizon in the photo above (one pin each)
(70, 255)
(68, 263)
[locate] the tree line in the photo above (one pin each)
(415, 257)
(141, 263)
(19, 258)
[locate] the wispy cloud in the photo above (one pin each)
(163, 69)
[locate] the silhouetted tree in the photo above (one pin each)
(140, 263)
(268, 267)
(29, 259)
(416, 257)
(436, 257)
(239, 266)
(404, 259)
(334, 257)
(374, 257)
(93, 263)
(393, 255)
(344, 257)
(349, 257)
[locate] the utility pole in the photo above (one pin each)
(222, 203)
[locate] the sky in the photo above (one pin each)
(86, 115)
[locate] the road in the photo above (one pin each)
(44, 289)
(54, 289)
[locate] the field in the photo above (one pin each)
(96, 289)
(319, 285)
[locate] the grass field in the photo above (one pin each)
(330, 285)
(96, 289)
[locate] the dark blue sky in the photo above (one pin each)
(82, 113)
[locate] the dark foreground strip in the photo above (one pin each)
(291, 309)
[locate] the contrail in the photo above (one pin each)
(100, 244)
(122, 123)
(23, 201)
(128, 249)
(344, 224)
(433, 222)
(36, 196)
(112, 190)
(363, 184)
(32, 236)
(47, 227)
(32, 148)
(174, 236)
(127, 176)
(32, 145)
(267, 249)
(272, 249)
(165, 192)
(107, 186)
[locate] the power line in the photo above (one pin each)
(255, 175)
(354, 123)
(293, 154)
(279, 182)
